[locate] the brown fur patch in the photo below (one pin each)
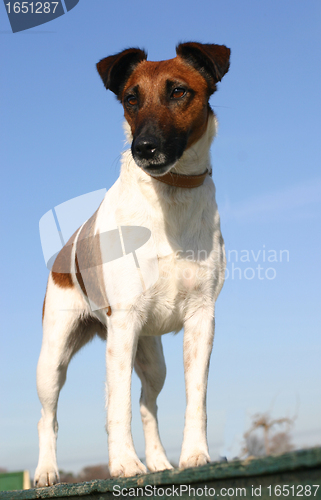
(44, 306)
(61, 270)
(88, 262)
(79, 277)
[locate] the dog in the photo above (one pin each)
(166, 193)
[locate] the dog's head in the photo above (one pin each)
(165, 102)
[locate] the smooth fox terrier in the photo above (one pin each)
(165, 186)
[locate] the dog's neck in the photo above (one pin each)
(194, 162)
(196, 159)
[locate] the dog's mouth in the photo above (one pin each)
(156, 156)
(157, 171)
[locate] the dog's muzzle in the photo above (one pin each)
(154, 155)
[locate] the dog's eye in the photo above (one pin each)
(178, 93)
(132, 100)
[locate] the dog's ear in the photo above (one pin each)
(212, 61)
(115, 70)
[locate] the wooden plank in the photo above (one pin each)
(292, 474)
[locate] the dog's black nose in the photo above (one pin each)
(145, 147)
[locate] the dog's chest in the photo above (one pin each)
(187, 247)
(165, 303)
(187, 277)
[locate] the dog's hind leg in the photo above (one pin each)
(65, 331)
(151, 369)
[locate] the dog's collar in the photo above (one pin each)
(182, 181)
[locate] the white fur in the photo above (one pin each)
(185, 228)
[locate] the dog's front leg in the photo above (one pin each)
(121, 350)
(151, 369)
(198, 342)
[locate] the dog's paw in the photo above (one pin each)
(46, 476)
(157, 463)
(195, 459)
(126, 468)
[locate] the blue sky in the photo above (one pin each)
(62, 137)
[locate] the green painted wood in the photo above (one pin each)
(291, 475)
(11, 481)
